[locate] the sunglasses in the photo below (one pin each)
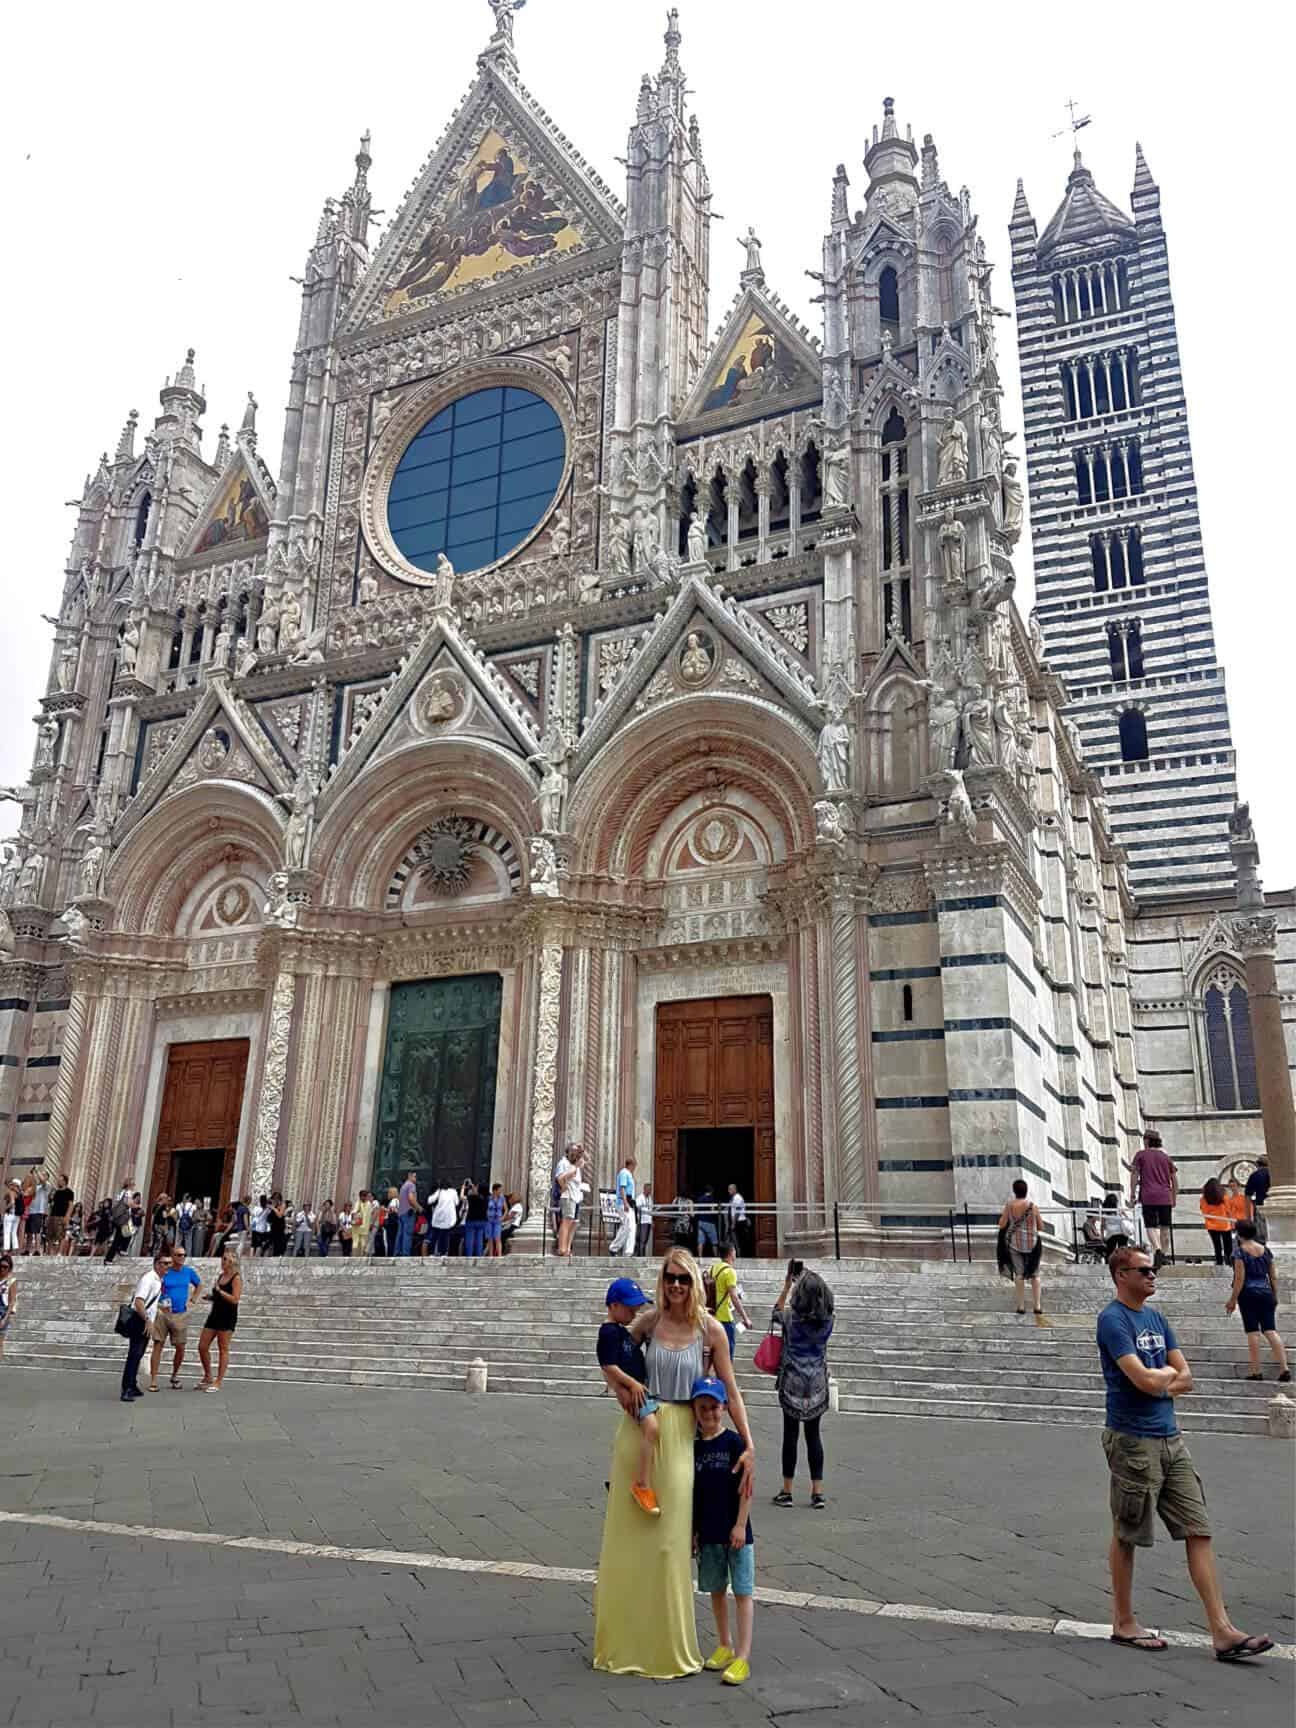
(1142, 1271)
(677, 1278)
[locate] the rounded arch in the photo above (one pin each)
(626, 795)
(155, 870)
(362, 841)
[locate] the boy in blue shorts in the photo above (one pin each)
(722, 1532)
(621, 1358)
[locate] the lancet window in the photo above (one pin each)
(1125, 641)
(1104, 383)
(1230, 1052)
(1091, 291)
(1116, 555)
(1108, 471)
(893, 498)
(1133, 736)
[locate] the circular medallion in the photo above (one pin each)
(439, 702)
(696, 660)
(232, 904)
(715, 837)
(212, 751)
(443, 854)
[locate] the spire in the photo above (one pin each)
(930, 164)
(363, 162)
(182, 403)
(126, 443)
(185, 376)
(888, 118)
(1085, 216)
(223, 448)
(1146, 197)
(1143, 181)
(670, 80)
(840, 209)
(891, 157)
(1021, 212)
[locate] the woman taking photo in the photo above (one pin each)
(643, 1604)
(221, 1322)
(804, 1315)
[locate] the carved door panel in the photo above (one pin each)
(766, 1187)
(202, 1101)
(697, 1059)
(735, 1051)
(666, 1120)
(436, 1108)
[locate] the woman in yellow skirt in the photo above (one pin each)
(643, 1602)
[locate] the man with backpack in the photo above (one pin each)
(122, 1223)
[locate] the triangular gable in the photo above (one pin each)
(218, 710)
(740, 630)
(883, 236)
(441, 644)
(888, 379)
(759, 356)
(503, 192)
(236, 511)
(897, 656)
(1217, 939)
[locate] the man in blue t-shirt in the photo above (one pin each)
(180, 1284)
(1145, 1371)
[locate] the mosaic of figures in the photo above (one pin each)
(240, 515)
(499, 216)
(758, 366)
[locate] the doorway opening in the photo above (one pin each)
(202, 1105)
(199, 1173)
(715, 1157)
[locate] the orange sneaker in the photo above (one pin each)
(646, 1500)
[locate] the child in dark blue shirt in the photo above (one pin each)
(722, 1532)
(622, 1360)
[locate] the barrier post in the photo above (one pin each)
(836, 1231)
(953, 1237)
(967, 1230)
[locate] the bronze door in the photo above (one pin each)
(202, 1103)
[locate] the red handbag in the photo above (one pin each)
(769, 1353)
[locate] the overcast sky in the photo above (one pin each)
(164, 170)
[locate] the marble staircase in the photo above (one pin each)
(911, 1338)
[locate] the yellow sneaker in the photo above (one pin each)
(737, 1671)
(719, 1658)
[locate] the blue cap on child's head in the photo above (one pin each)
(704, 1387)
(627, 1292)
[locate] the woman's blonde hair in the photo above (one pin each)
(231, 1254)
(684, 1261)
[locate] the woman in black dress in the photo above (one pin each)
(221, 1321)
(278, 1226)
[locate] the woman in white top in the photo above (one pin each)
(445, 1210)
(512, 1219)
(344, 1222)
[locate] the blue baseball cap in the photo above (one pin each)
(707, 1388)
(627, 1292)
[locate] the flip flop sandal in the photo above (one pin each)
(1149, 1641)
(1247, 1647)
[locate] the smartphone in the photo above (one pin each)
(795, 1268)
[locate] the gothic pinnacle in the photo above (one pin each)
(888, 117)
(126, 443)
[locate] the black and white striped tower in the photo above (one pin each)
(1120, 576)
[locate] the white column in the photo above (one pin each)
(274, 1074)
(367, 1112)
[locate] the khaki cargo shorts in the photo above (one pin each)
(1150, 1474)
(174, 1327)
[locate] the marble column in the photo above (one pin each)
(542, 1142)
(274, 1074)
(69, 1075)
(1256, 935)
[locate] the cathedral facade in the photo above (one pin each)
(593, 730)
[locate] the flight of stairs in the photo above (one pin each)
(911, 1338)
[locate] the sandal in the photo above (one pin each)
(175, 1382)
(1143, 1641)
(1255, 1646)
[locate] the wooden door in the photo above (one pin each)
(202, 1102)
(715, 1069)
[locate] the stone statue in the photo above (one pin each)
(833, 750)
(1073, 739)
(836, 475)
(128, 653)
(1024, 757)
(504, 10)
(310, 650)
(958, 806)
(552, 763)
(544, 866)
(559, 539)
(74, 922)
(1014, 504)
(367, 589)
(663, 568)
(280, 909)
(47, 735)
(443, 584)
(752, 246)
(1036, 635)
(619, 546)
(953, 545)
(267, 633)
(290, 617)
(245, 658)
(942, 725)
(991, 447)
(29, 878)
(695, 662)
(221, 650)
(249, 414)
(8, 940)
(978, 729)
(301, 818)
(1240, 826)
(1005, 731)
(10, 864)
(588, 587)
(952, 453)
(645, 543)
(828, 823)
(67, 666)
(93, 860)
(697, 538)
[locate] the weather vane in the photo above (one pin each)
(1076, 122)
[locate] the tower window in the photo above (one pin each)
(1133, 736)
(906, 1005)
(893, 499)
(1229, 1047)
(1125, 641)
(141, 518)
(889, 299)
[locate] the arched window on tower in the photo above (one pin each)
(141, 518)
(1133, 736)
(907, 1003)
(889, 301)
(748, 502)
(1230, 1052)
(780, 505)
(717, 518)
(688, 504)
(1125, 640)
(811, 484)
(897, 605)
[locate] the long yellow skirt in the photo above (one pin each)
(643, 1601)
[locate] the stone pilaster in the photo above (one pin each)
(544, 1071)
(69, 1076)
(1256, 935)
(274, 1074)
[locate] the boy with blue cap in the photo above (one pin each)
(722, 1532)
(621, 1358)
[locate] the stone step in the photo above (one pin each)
(1071, 1416)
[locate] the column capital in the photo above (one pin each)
(1256, 933)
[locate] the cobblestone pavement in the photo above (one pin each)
(989, 1519)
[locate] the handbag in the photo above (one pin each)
(769, 1353)
(127, 1321)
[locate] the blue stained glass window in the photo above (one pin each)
(476, 479)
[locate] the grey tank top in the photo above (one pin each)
(671, 1373)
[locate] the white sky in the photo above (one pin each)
(164, 170)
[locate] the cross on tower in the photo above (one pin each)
(1074, 125)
